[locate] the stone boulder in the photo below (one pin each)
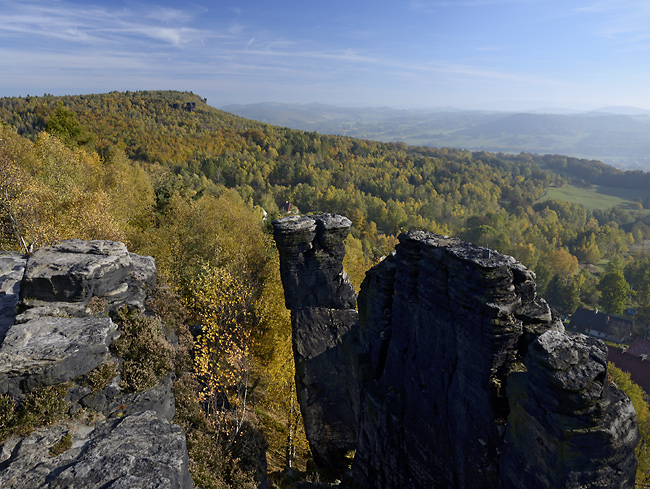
(53, 350)
(112, 401)
(141, 450)
(65, 277)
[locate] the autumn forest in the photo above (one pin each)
(197, 188)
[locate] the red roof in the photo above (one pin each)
(638, 367)
(639, 347)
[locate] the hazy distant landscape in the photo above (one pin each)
(619, 136)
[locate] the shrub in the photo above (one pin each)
(42, 407)
(147, 354)
(61, 446)
(99, 377)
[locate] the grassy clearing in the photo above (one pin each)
(597, 197)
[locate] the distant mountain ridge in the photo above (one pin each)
(623, 109)
(617, 135)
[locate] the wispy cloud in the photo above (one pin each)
(47, 42)
(96, 32)
(303, 59)
(97, 25)
(49, 61)
(624, 20)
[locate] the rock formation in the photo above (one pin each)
(322, 303)
(63, 296)
(458, 375)
(141, 450)
(567, 426)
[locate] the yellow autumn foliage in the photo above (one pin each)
(273, 356)
(640, 402)
(221, 303)
(51, 192)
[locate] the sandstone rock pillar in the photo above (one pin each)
(456, 374)
(322, 302)
(444, 323)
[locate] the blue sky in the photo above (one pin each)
(494, 54)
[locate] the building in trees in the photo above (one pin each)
(601, 325)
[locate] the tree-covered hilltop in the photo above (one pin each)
(390, 185)
(490, 199)
(188, 184)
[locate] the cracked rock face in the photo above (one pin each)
(444, 330)
(135, 451)
(57, 337)
(311, 257)
(12, 269)
(68, 275)
(568, 426)
(51, 350)
(64, 294)
(455, 371)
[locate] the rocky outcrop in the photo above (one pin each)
(62, 279)
(12, 269)
(459, 376)
(56, 330)
(52, 350)
(134, 451)
(322, 302)
(311, 261)
(568, 427)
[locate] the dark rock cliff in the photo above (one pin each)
(322, 303)
(568, 427)
(456, 374)
(63, 296)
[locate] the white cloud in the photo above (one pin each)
(55, 46)
(621, 20)
(96, 25)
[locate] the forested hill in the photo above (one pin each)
(491, 199)
(188, 184)
(390, 185)
(187, 116)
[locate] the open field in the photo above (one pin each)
(597, 197)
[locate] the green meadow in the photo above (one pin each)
(598, 197)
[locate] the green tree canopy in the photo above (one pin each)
(614, 291)
(66, 127)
